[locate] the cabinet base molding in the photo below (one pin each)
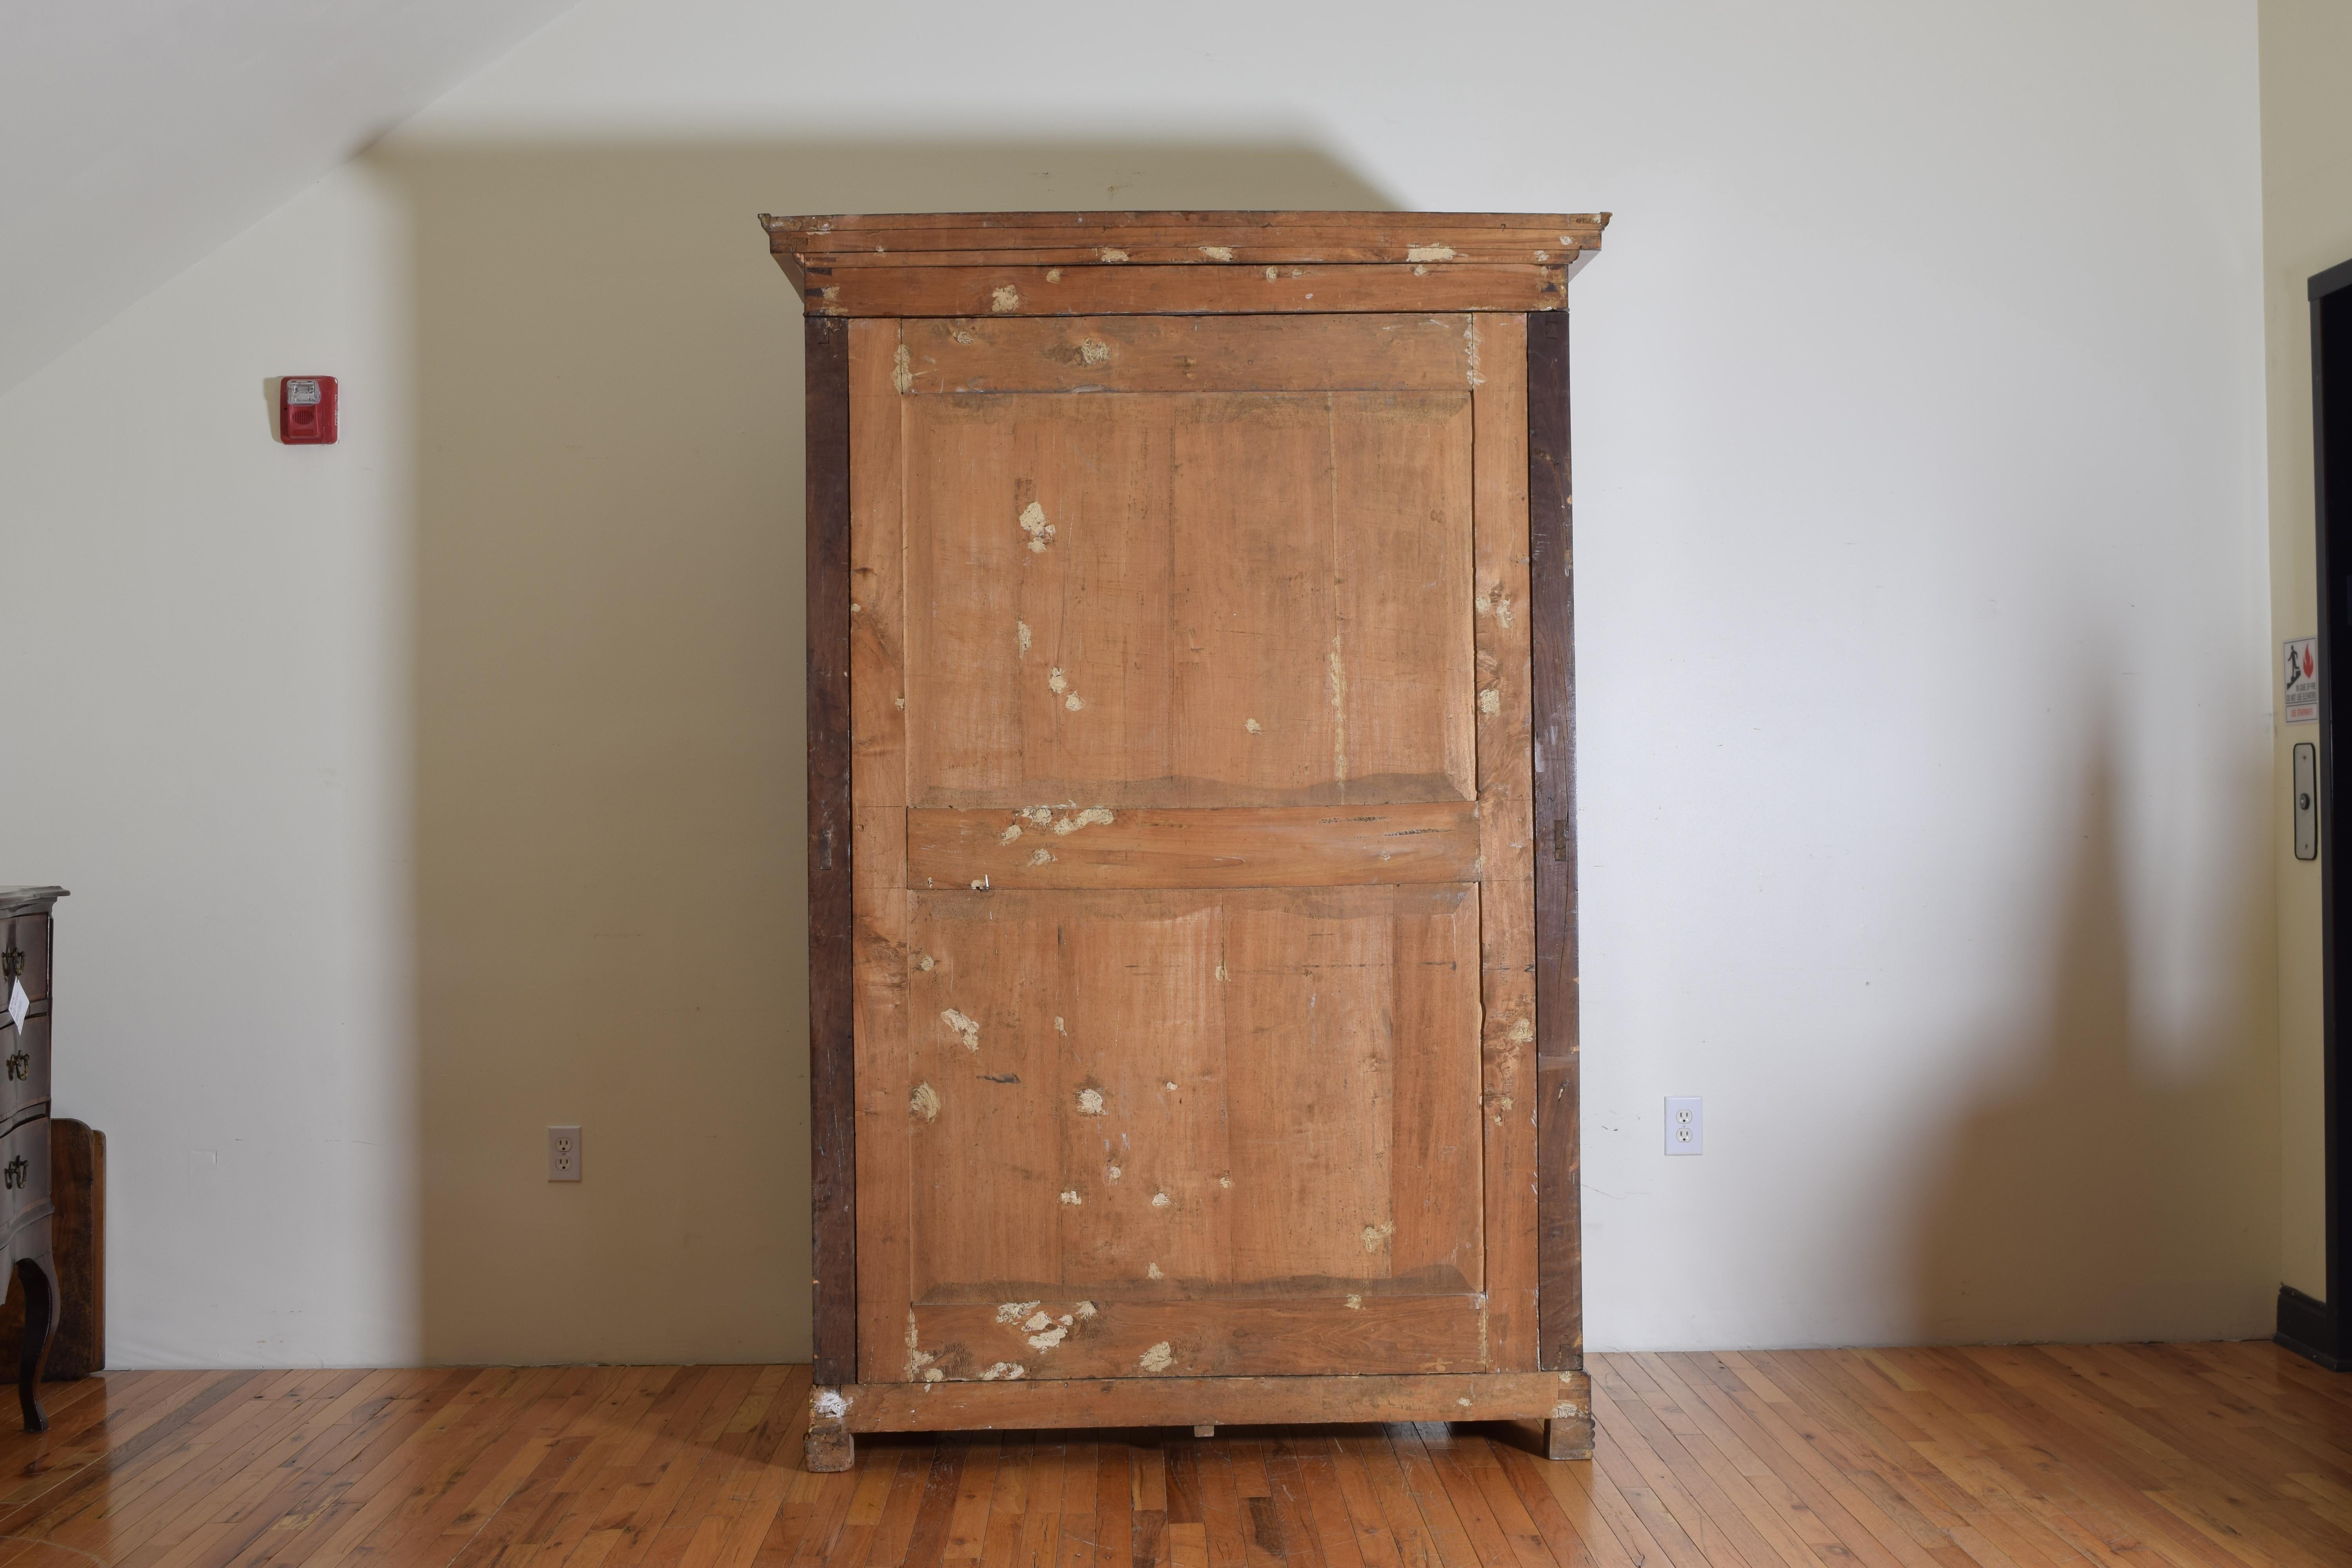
(1563, 1400)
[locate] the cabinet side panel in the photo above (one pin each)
(1552, 606)
(832, 909)
(1506, 916)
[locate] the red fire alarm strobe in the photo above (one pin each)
(306, 410)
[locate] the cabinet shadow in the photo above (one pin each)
(606, 668)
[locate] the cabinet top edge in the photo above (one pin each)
(910, 236)
(28, 901)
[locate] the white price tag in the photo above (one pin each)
(19, 1004)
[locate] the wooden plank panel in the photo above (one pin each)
(1318, 1065)
(877, 690)
(1506, 827)
(1100, 615)
(982, 1059)
(884, 1151)
(1552, 611)
(1238, 846)
(1218, 1075)
(1416, 352)
(1381, 1332)
(1216, 248)
(1399, 667)
(832, 915)
(1162, 1401)
(1180, 290)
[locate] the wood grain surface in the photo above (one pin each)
(1234, 846)
(2229, 1456)
(1551, 568)
(832, 908)
(1033, 290)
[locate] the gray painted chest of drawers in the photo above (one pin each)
(27, 1212)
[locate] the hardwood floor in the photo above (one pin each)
(2234, 1455)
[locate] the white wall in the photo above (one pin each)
(1923, 635)
(2306, 228)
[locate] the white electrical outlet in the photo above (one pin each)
(1685, 1124)
(563, 1153)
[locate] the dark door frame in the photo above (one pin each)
(2322, 1330)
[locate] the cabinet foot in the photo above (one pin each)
(829, 1450)
(40, 1279)
(1567, 1437)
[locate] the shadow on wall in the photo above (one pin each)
(609, 795)
(2098, 1195)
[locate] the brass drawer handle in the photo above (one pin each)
(12, 963)
(16, 1172)
(20, 1066)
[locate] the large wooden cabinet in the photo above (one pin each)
(1191, 819)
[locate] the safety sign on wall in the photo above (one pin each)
(2303, 681)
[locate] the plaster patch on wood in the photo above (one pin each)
(1522, 1031)
(1006, 298)
(919, 1360)
(1021, 633)
(1042, 858)
(1490, 701)
(1072, 1198)
(1086, 1310)
(1090, 1102)
(1225, 1181)
(1376, 1236)
(1046, 1339)
(979, 885)
(924, 1101)
(1222, 973)
(1355, 1303)
(962, 335)
(1338, 684)
(902, 370)
(1429, 253)
(966, 1026)
(1113, 1171)
(1274, 275)
(1005, 1370)
(1217, 252)
(1060, 1027)
(1151, 1271)
(926, 963)
(856, 609)
(1093, 816)
(1470, 351)
(1033, 524)
(1009, 834)
(1159, 1358)
(1092, 351)
(901, 703)
(831, 291)
(1053, 275)
(1160, 1200)
(1113, 254)
(1013, 1312)
(829, 1403)
(1040, 814)
(1253, 727)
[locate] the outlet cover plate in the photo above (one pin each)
(563, 1153)
(1685, 1124)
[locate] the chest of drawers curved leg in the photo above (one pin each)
(27, 1212)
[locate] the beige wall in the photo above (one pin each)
(2306, 51)
(427, 790)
